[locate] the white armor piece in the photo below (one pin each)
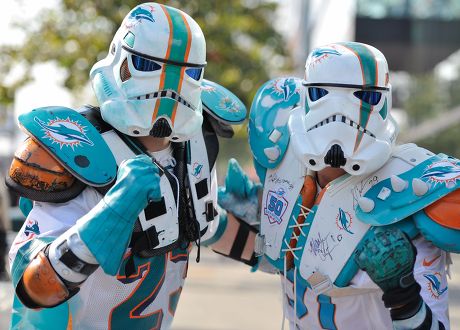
(167, 224)
(332, 229)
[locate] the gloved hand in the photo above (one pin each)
(388, 257)
(239, 195)
(107, 228)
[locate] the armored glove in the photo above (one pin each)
(107, 228)
(388, 256)
(239, 195)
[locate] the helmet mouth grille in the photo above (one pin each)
(125, 74)
(161, 128)
(342, 119)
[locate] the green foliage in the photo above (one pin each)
(242, 45)
(428, 99)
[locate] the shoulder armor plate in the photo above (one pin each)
(430, 178)
(34, 173)
(268, 119)
(73, 141)
(222, 104)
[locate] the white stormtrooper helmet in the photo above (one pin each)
(345, 119)
(150, 82)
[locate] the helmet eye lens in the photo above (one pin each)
(143, 64)
(316, 93)
(369, 97)
(194, 73)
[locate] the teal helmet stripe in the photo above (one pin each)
(179, 48)
(384, 111)
(370, 71)
(367, 61)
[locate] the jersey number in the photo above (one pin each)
(151, 276)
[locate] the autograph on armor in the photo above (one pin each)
(322, 247)
(277, 180)
(359, 190)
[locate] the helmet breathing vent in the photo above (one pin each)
(335, 156)
(124, 71)
(161, 128)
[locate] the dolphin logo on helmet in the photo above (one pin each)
(345, 118)
(150, 82)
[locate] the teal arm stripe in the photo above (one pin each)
(25, 255)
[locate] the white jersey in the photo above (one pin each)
(367, 311)
(146, 299)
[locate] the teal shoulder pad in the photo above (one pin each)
(73, 141)
(427, 182)
(268, 119)
(222, 104)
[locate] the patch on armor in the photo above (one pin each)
(275, 206)
(140, 14)
(196, 170)
(221, 103)
(434, 285)
(446, 171)
(32, 228)
(320, 54)
(64, 132)
(344, 221)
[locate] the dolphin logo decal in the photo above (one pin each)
(32, 228)
(435, 284)
(344, 221)
(441, 171)
(141, 13)
(197, 170)
(324, 51)
(72, 136)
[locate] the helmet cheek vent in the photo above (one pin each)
(335, 157)
(125, 74)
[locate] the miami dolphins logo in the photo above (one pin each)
(65, 132)
(138, 15)
(344, 221)
(32, 228)
(445, 172)
(227, 104)
(285, 88)
(196, 168)
(141, 13)
(320, 54)
(434, 284)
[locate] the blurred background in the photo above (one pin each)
(48, 47)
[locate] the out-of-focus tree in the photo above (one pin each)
(243, 47)
(430, 97)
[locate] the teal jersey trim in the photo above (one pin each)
(25, 255)
(56, 318)
(222, 104)
(326, 312)
(73, 141)
(442, 176)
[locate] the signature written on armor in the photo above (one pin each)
(280, 181)
(322, 246)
